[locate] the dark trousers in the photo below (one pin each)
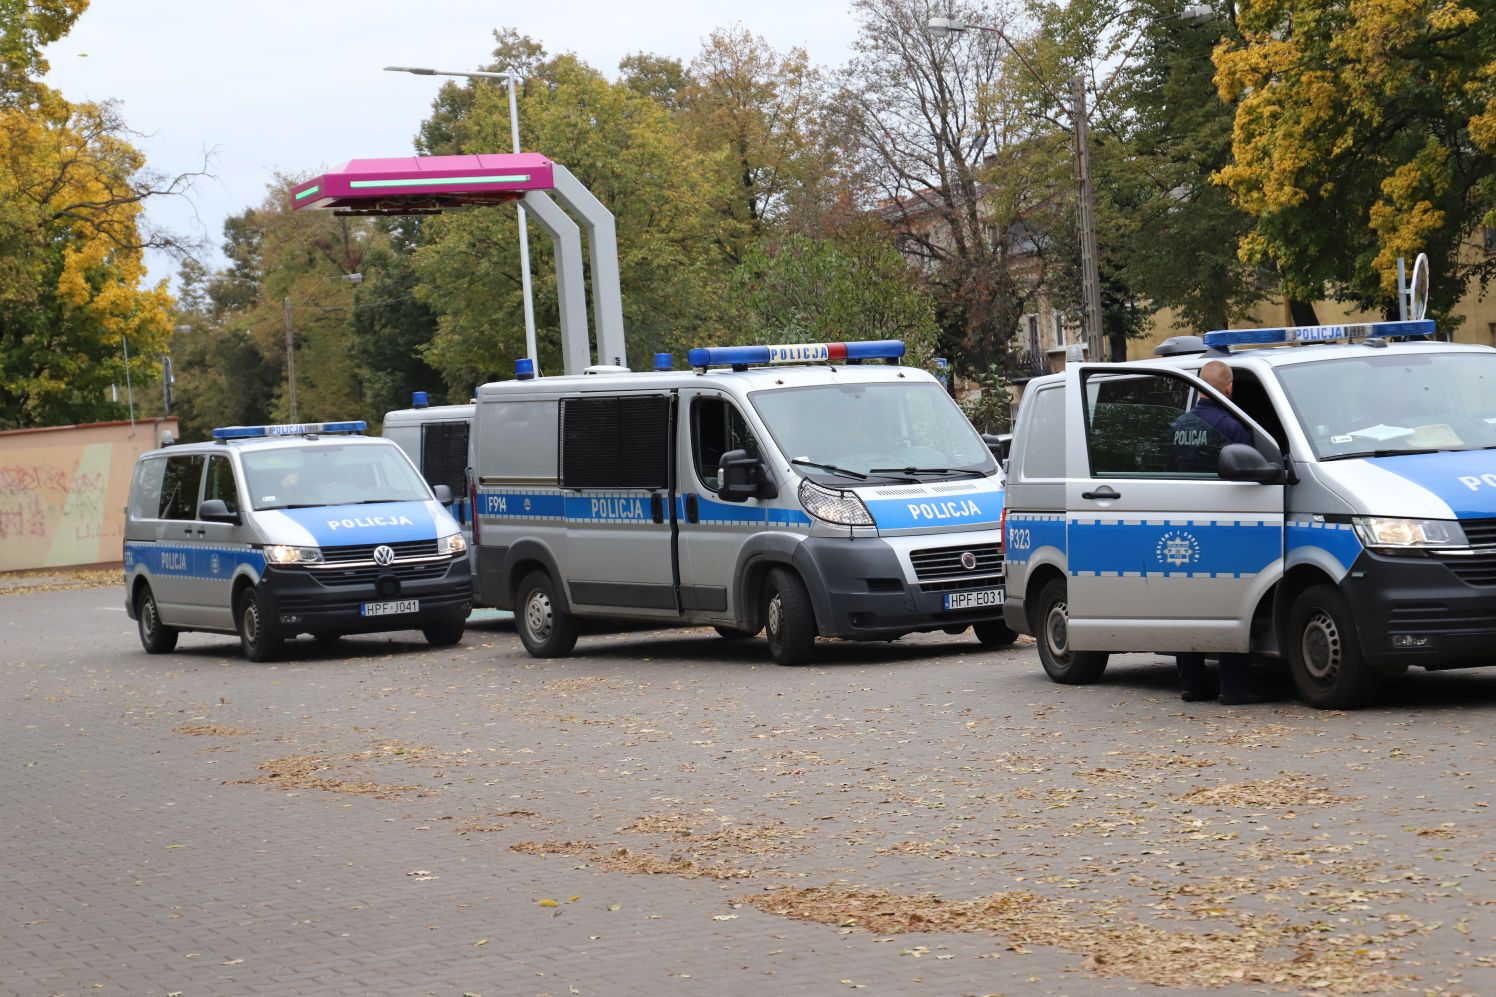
(1236, 674)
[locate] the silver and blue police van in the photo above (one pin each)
(1354, 535)
(805, 490)
(275, 531)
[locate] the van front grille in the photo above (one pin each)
(935, 563)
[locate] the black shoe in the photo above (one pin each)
(1197, 695)
(1245, 698)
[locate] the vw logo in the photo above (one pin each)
(968, 560)
(384, 554)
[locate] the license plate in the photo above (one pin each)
(390, 608)
(975, 599)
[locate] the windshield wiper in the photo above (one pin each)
(829, 467)
(926, 470)
(374, 501)
(1377, 453)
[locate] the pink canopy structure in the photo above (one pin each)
(406, 185)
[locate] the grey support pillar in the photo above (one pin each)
(576, 352)
(602, 245)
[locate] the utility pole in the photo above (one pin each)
(290, 359)
(1090, 271)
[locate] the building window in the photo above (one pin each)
(1490, 241)
(1059, 329)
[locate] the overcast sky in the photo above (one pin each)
(297, 87)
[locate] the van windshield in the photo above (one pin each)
(1394, 403)
(330, 474)
(908, 430)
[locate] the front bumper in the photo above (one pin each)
(1418, 611)
(296, 601)
(861, 591)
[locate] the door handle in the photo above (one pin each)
(693, 509)
(1104, 492)
(657, 508)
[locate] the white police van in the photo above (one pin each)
(274, 531)
(1354, 535)
(840, 499)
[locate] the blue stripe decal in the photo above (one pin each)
(982, 508)
(1173, 549)
(1338, 540)
(205, 561)
(385, 522)
(1464, 479)
(627, 507)
(521, 505)
(1026, 534)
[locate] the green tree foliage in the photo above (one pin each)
(26, 27)
(392, 326)
(990, 407)
(818, 290)
(1364, 131)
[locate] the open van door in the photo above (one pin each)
(1174, 534)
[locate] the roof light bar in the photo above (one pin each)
(743, 356)
(1420, 328)
(288, 429)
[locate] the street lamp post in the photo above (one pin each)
(511, 78)
(1090, 268)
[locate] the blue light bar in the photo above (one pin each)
(743, 356)
(1420, 328)
(289, 429)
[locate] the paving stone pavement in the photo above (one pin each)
(665, 812)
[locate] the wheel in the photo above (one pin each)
(444, 633)
(733, 633)
(257, 637)
(790, 620)
(1324, 652)
(1053, 631)
(547, 629)
(156, 637)
(994, 633)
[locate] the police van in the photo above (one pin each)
(274, 531)
(804, 490)
(435, 438)
(1354, 534)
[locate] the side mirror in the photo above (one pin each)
(443, 494)
(1240, 462)
(741, 477)
(998, 444)
(216, 511)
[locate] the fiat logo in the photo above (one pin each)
(385, 554)
(968, 560)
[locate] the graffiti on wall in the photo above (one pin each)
(63, 491)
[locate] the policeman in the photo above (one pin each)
(1198, 437)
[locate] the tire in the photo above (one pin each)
(789, 618)
(733, 633)
(257, 638)
(545, 626)
(994, 633)
(444, 633)
(156, 637)
(1052, 628)
(1324, 652)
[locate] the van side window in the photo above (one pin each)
(717, 427)
(179, 487)
(615, 441)
(1141, 426)
(145, 491)
(1044, 445)
(220, 483)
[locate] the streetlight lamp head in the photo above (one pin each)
(1197, 13)
(352, 278)
(942, 26)
(418, 70)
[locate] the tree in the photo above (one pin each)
(26, 27)
(950, 146)
(818, 290)
(1364, 132)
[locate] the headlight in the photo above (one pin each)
(453, 543)
(1379, 531)
(286, 554)
(833, 506)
